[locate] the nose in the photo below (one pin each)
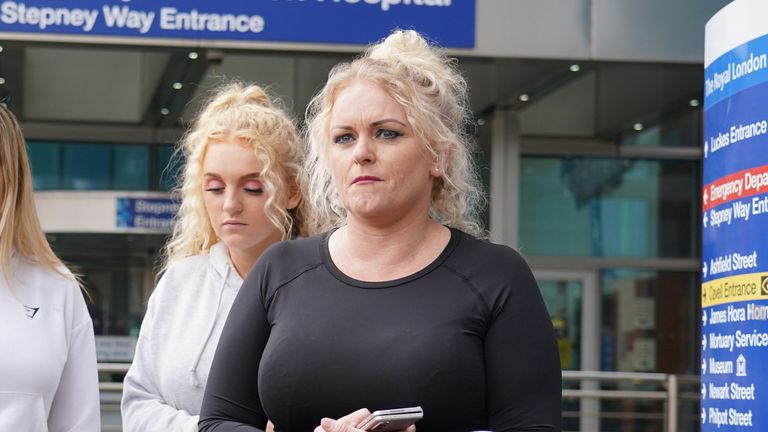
(232, 204)
(364, 151)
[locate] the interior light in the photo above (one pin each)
(192, 55)
(177, 85)
(2, 80)
(523, 97)
(1, 48)
(480, 122)
(164, 111)
(575, 68)
(637, 126)
(693, 102)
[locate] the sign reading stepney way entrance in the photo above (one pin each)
(451, 23)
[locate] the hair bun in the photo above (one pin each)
(401, 45)
(256, 94)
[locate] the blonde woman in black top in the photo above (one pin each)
(397, 303)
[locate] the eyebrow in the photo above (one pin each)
(376, 123)
(253, 175)
(388, 120)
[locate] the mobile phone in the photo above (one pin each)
(391, 419)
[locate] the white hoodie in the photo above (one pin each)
(48, 378)
(163, 389)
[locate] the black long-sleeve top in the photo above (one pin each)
(467, 338)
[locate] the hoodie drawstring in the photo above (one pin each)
(193, 369)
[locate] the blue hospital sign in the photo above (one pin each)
(734, 291)
(154, 214)
(451, 23)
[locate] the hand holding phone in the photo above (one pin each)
(391, 419)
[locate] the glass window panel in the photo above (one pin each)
(44, 161)
(131, 167)
(648, 324)
(678, 131)
(649, 321)
(608, 207)
(87, 166)
(167, 167)
(563, 300)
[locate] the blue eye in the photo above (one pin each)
(343, 139)
(387, 134)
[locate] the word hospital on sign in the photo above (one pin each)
(387, 4)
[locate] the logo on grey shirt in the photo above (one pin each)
(31, 311)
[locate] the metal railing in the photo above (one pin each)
(591, 391)
(668, 392)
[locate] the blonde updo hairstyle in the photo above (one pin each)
(245, 114)
(433, 94)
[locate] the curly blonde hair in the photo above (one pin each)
(433, 93)
(20, 230)
(248, 115)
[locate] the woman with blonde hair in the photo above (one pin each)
(48, 377)
(399, 302)
(239, 195)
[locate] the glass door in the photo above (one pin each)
(573, 301)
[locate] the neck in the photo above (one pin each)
(243, 262)
(367, 235)
(244, 259)
(366, 240)
(375, 253)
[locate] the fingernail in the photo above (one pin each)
(328, 423)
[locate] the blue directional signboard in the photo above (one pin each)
(154, 214)
(734, 292)
(451, 23)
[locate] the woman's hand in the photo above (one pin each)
(348, 423)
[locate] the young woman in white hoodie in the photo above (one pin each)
(48, 378)
(239, 195)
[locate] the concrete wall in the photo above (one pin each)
(620, 30)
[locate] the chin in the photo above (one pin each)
(366, 207)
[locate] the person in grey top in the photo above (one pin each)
(240, 194)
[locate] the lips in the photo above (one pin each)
(365, 179)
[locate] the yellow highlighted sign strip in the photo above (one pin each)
(752, 286)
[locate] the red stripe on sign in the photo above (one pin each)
(738, 185)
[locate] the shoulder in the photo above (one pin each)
(186, 272)
(35, 279)
(41, 287)
(474, 254)
(285, 261)
(291, 256)
(495, 271)
(307, 248)
(186, 267)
